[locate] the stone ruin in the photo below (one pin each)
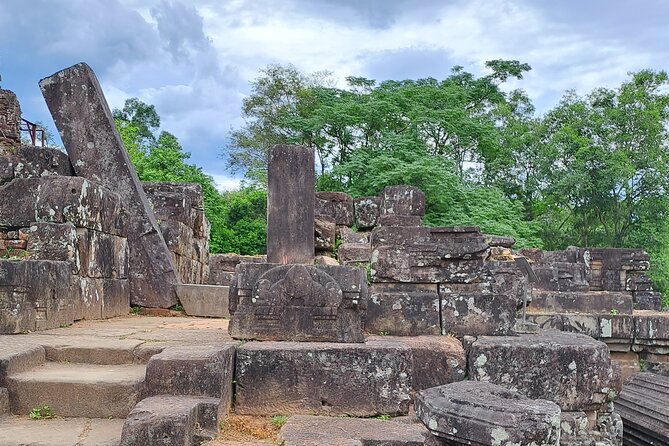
(357, 310)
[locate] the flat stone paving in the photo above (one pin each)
(17, 430)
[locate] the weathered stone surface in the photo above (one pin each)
(561, 276)
(348, 235)
(301, 430)
(399, 220)
(643, 407)
(204, 300)
(298, 302)
(354, 252)
(4, 401)
(325, 231)
(228, 262)
(473, 309)
(591, 429)
(500, 240)
(647, 300)
(59, 200)
(205, 370)
(403, 309)
(574, 323)
(34, 295)
(30, 161)
(628, 362)
(323, 378)
(97, 298)
(221, 278)
(290, 204)
(10, 120)
(89, 134)
(403, 200)
(603, 302)
(182, 202)
(171, 421)
(572, 370)
(21, 430)
(651, 331)
(336, 205)
(486, 414)
(325, 260)
(509, 279)
(367, 211)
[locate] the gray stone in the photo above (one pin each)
(96, 151)
(325, 231)
(205, 370)
(403, 309)
(574, 323)
(171, 421)
(347, 235)
(204, 300)
(298, 302)
(367, 211)
(509, 279)
(500, 240)
(30, 161)
(473, 309)
(651, 332)
(290, 205)
(561, 276)
(323, 378)
(301, 430)
(572, 370)
(399, 220)
(228, 262)
(642, 406)
(403, 200)
(221, 278)
(603, 302)
(486, 414)
(336, 205)
(10, 121)
(35, 295)
(354, 252)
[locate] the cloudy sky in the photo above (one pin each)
(194, 59)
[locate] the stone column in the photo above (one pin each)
(85, 123)
(290, 205)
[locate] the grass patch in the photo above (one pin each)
(249, 428)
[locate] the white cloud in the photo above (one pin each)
(225, 183)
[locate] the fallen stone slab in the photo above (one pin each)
(359, 379)
(171, 420)
(301, 430)
(204, 300)
(478, 413)
(572, 370)
(80, 111)
(193, 370)
(643, 406)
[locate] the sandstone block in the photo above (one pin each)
(204, 300)
(323, 378)
(367, 211)
(325, 231)
(347, 235)
(399, 220)
(354, 252)
(572, 370)
(403, 200)
(403, 309)
(486, 414)
(473, 309)
(336, 205)
(574, 323)
(602, 302)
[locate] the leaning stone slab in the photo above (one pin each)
(643, 406)
(171, 420)
(323, 378)
(84, 121)
(204, 300)
(301, 430)
(572, 370)
(476, 413)
(298, 302)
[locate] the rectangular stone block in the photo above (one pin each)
(472, 309)
(367, 210)
(54, 241)
(34, 295)
(348, 235)
(290, 204)
(336, 205)
(561, 276)
(403, 309)
(354, 252)
(84, 121)
(323, 378)
(101, 255)
(116, 297)
(602, 302)
(223, 278)
(403, 200)
(399, 220)
(651, 332)
(628, 362)
(204, 300)
(587, 324)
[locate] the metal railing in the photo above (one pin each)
(33, 130)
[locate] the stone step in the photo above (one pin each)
(96, 350)
(643, 406)
(21, 430)
(77, 390)
(304, 430)
(173, 420)
(204, 300)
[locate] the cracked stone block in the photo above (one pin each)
(572, 370)
(473, 309)
(365, 379)
(469, 413)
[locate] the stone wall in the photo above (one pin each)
(10, 121)
(179, 210)
(222, 266)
